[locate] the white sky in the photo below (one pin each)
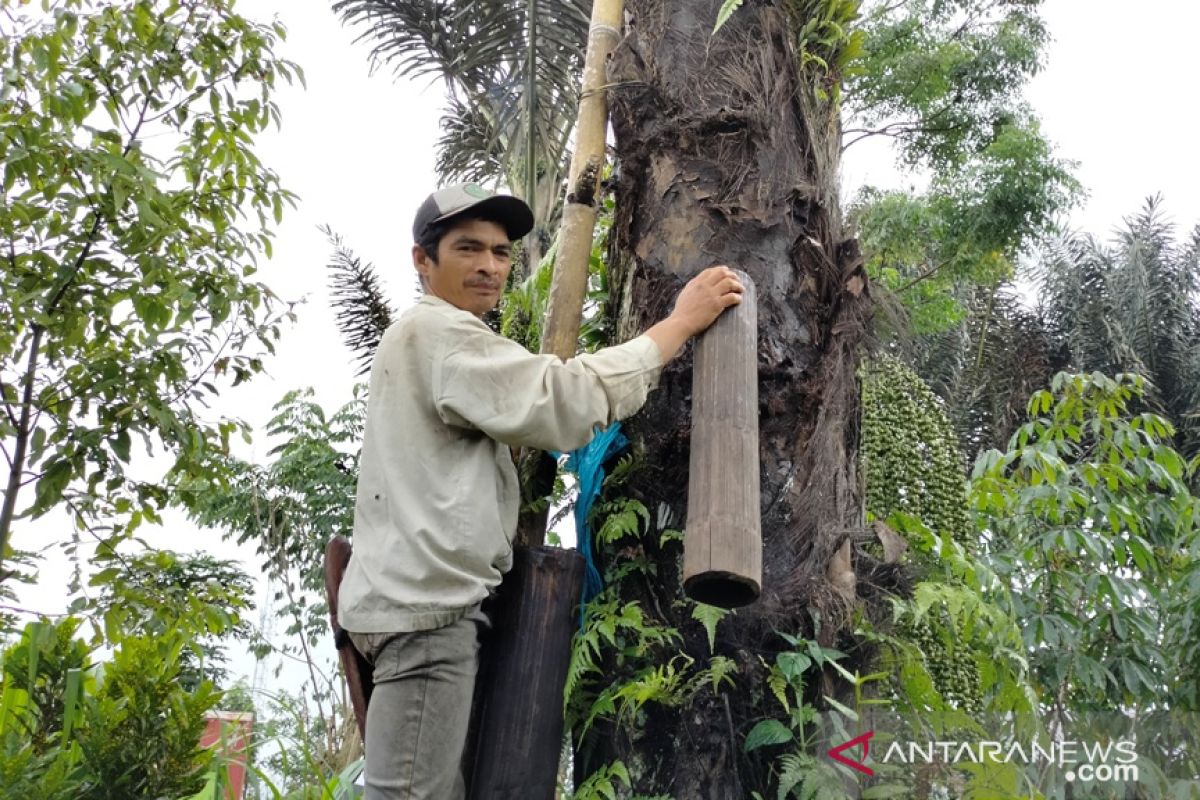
(358, 149)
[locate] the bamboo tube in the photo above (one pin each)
(722, 545)
(569, 285)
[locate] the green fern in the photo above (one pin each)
(726, 11)
(795, 767)
(603, 783)
(709, 616)
(720, 671)
(625, 517)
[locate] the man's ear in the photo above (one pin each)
(421, 262)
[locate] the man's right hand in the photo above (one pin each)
(698, 305)
(705, 296)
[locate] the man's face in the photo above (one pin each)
(473, 262)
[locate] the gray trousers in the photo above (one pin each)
(420, 709)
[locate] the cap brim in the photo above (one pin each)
(509, 211)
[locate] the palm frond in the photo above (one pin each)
(1132, 305)
(481, 49)
(363, 312)
(986, 368)
(471, 148)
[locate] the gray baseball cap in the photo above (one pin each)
(460, 198)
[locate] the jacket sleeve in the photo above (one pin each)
(484, 381)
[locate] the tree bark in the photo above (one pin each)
(24, 432)
(728, 156)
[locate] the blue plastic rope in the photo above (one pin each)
(587, 463)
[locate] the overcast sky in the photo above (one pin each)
(358, 149)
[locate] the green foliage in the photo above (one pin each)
(1126, 305)
(291, 507)
(805, 778)
(132, 211)
(1081, 597)
(968, 228)
(910, 457)
(1086, 515)
(632, 640)
(363, 311)
(986, 367)
(709, 616)
(954, 645)
(19, 567)
(159, 592)
(943, 82)
(794, 771)
(943, 79)
(603, 784)
(725, 12)
(72, 729)
(523, 306)
(828, 38)
(298, 764)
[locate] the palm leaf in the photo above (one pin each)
(363, 313)
(481, 49)
(1132, 306)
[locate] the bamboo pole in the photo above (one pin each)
(569, 285)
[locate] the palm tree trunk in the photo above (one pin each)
(727, 155)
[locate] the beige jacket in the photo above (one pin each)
(437, 488)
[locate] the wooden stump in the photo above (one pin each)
(722, 545)
(519, 705)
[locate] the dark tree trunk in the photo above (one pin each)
(727, 156)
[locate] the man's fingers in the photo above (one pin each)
(717, 274)
(732, 284)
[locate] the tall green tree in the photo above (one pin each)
(158, 592)
(73, 727)
(511, 70)
(288, 509)
(1129, 304)
(1086, 514)
(944, 82)
(1132, 305)
(133, 209)
(730, 147)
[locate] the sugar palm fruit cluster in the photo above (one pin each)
(950, 661)
(910, 455)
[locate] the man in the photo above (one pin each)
(437, 488)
